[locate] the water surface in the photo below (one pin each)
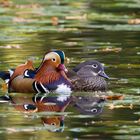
(104, 31)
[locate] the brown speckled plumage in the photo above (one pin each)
(89, 84)
(86, 77)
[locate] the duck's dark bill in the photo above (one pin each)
(103, 74)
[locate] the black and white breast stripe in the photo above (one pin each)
(39, 88)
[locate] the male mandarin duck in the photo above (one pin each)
(50, 76)
(88, 76)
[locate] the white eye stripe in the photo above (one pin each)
(99, 71)
(50, 55)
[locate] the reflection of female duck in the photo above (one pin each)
(89, 105)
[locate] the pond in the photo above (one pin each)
(107, 31)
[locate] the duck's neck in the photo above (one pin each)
(47, 74)
(65, 76)
(45, 68)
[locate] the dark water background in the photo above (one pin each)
(107, 31)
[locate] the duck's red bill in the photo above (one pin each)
(62, 67)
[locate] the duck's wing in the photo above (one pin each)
(77, 82)
(21, 69)
(79, 85)
(26, 69)
(72, 75)
(88, 85)
(84, 81)
(29, 73)
(21, 84)
(5, 75)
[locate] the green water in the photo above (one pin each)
(100, 30)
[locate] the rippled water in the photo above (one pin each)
(104, 31)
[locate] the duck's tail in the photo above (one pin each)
(5, 75)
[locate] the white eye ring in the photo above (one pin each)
(94, 110)
(53, 59)
(94, 65)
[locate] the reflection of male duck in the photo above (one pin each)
(56, 103)
(51, 76)
(46, 105)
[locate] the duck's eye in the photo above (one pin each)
(53, 123)
(94, 65)
(94, 110)
(53, 59)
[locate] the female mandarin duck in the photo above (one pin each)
(50, 76)
(88, 76)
